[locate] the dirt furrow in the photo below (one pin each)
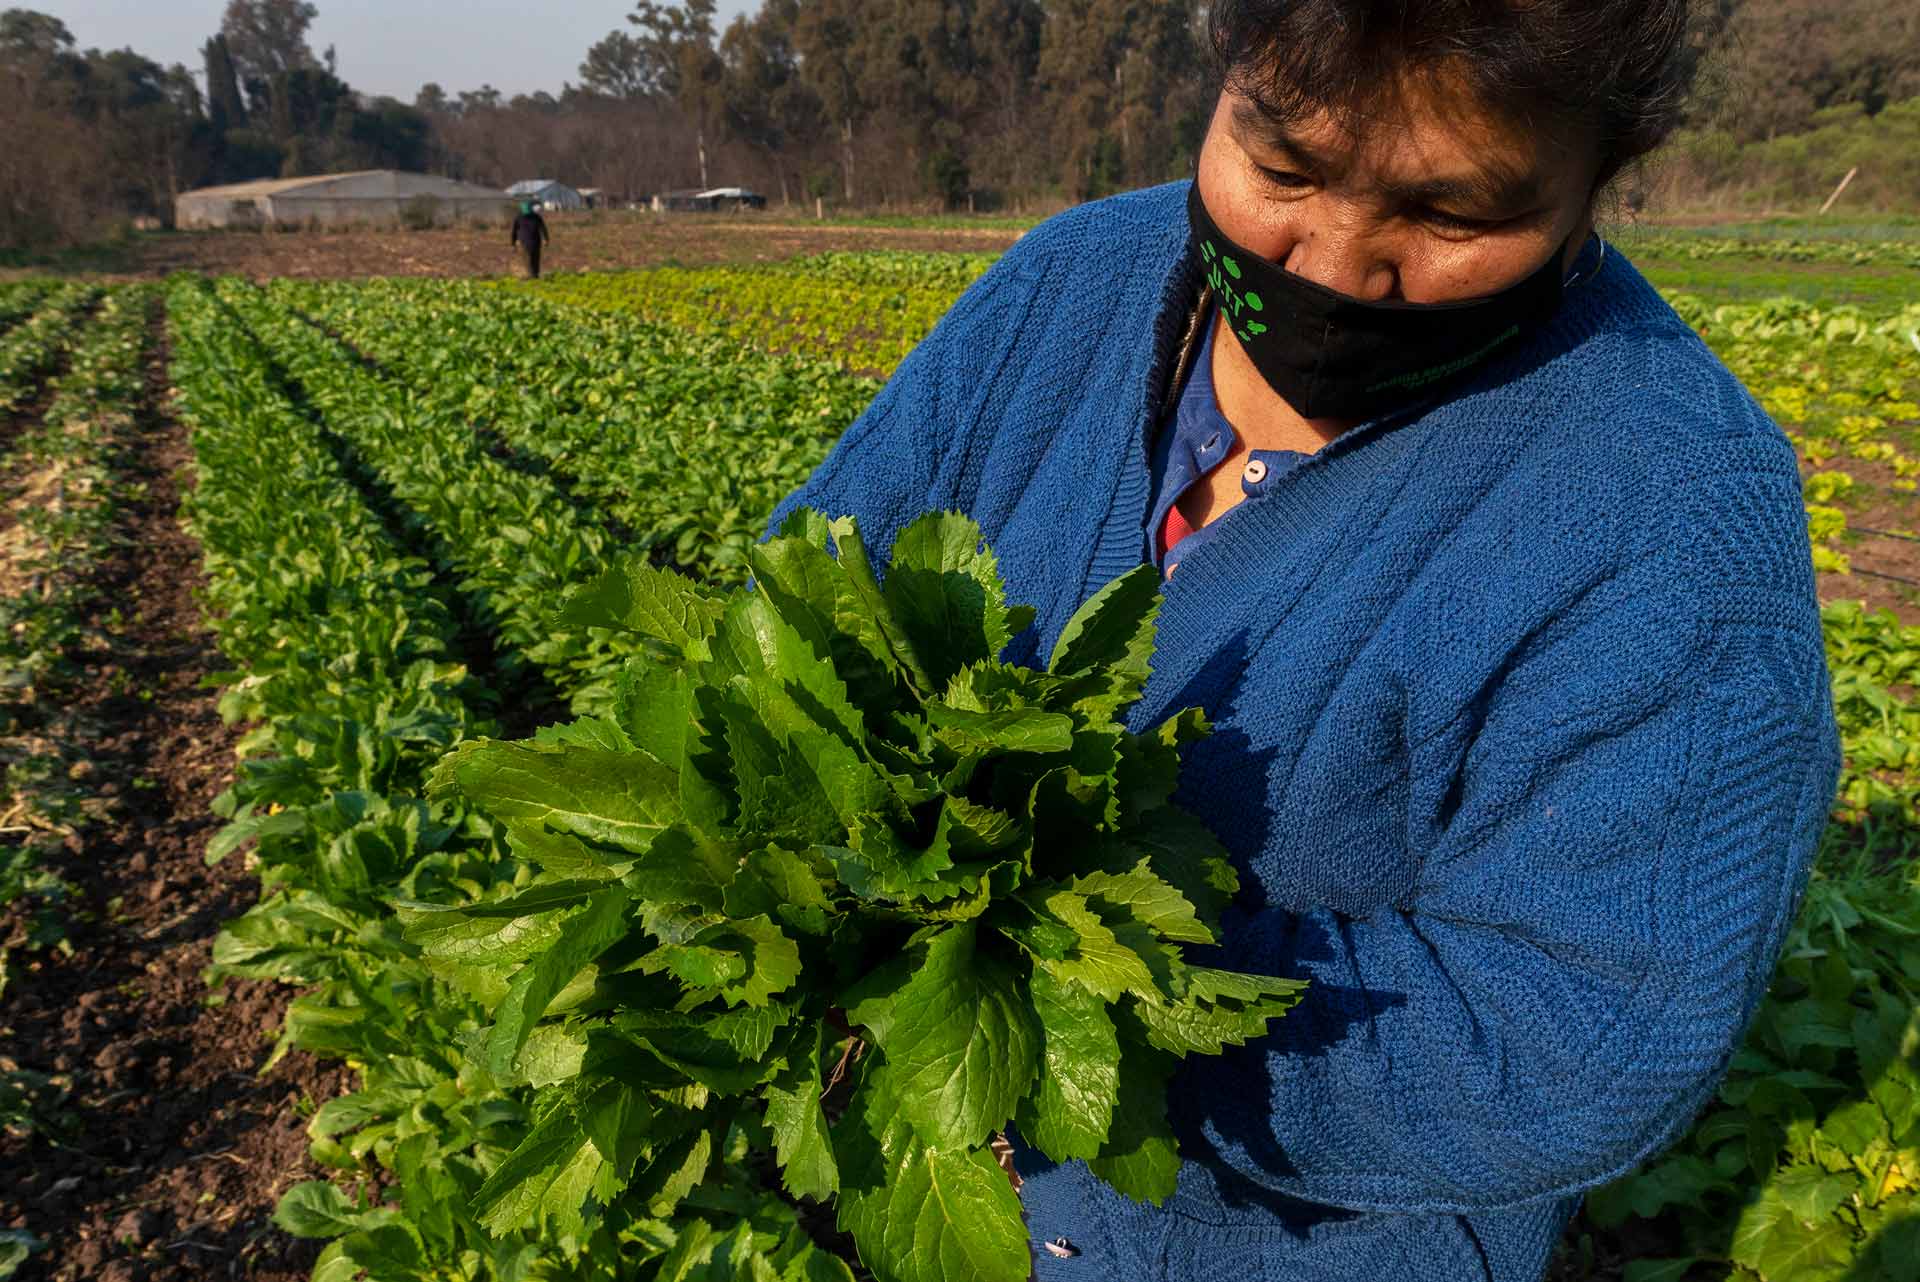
(167, 1148)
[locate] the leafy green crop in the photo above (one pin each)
(685, 441)
(827, 856)
(30, 349)
(865, 311)
(64, 484)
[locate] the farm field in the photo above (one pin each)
(274, 548)
(582, 242)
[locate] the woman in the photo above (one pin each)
(1494, 582)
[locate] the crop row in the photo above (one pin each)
(62, 491)
(65, 491)
(344, 645)
(30, 349)
(1708, 247)
(684, 442)
(864, 312)
(515, 540)
(20, 299)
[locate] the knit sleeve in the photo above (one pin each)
(884, 469)
(1615, 826)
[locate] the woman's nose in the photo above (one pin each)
(1343, 262)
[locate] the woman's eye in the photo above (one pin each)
(1286, 178)
(1455, 224)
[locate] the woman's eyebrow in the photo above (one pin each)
(1491, 189)
(1265, 128)
(1488, 189)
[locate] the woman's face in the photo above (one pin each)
(1435, 202)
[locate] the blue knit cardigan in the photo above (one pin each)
(1523, 744)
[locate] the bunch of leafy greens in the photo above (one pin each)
(826, 855)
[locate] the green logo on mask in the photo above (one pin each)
(1222, 271)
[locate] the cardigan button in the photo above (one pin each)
(1256, 472)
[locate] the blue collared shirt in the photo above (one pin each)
(1195, 439)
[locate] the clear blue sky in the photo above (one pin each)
(384, 46)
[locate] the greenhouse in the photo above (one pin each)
(373, 197)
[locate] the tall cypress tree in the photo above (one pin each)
(225, 107)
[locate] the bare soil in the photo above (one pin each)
(596, 242)
(179, 1147)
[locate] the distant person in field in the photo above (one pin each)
(529, 235)
(1494, 583)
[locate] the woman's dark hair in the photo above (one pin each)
(1614, 71)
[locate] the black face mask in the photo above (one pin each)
(1331, 356)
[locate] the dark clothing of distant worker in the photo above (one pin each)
(529, 234)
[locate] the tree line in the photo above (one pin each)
(902, 103)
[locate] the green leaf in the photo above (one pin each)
(800, 1135)
(725, 1051)
(1114, 628)
(1681, 1180)
(1856, 1125)
(1893, 1247)
(816, 596)
(960, 1038)
(971, 831)
(16, 1245)
(618, 799)
(744, 961)
(553, 1054)
(799, 1260)
(785, 885)
(635, 596)
(1099, 962)
(653, 703)
(779, 796)
(332, 1266)
(456, 935)
(1774, 1242)
(1014, 730)
(583, 937)
(618, 1121)
(1811, 1193)
(511, 1195)
(944, 589)
(680, 869)
(587, 732)
(1143, 895)
(696, 965)
(1187, 1027)
(1140, 1157)
(871, 603)
(1070, 1110)
(562, 1207)
(1186, 855)
(920, 1212)
(673, 1171)
(316, 1209)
